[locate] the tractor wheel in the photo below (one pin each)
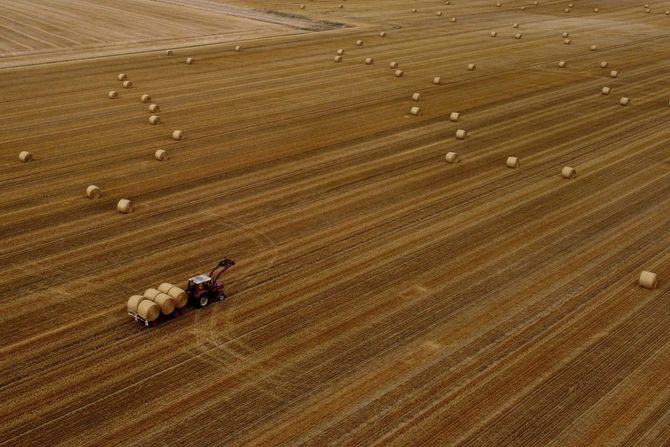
(221, 296)
(203, 300)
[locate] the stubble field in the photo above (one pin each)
(381, 296)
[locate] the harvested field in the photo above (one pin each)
(381, 296)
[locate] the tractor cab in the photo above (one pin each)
(202, 288)
(200, 282)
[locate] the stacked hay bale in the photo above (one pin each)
(165, 302)
(178, 295)
(143, 307)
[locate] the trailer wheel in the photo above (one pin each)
(203, 300)
(221, 296)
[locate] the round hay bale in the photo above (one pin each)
(648, 280)
(416, 96)
(161, 155)
(134, 301)
(518, 36)
(25, 156)
(565, 35)
(177, 135)
(148, 310)
(398, 73)
(415, 111)
(566, 10)
(451, 157)
(178, 295)
(302, 6)
(369, 61)
(593, 47)
(498, 4)
(596, 9)
(437, 80)
(667, 13)
(382, 34)
(154, 119)
(164, 287)
(164, 301)
(238, 48)
(393, 65)
(603, 64)
(453, 19)
(340, 51)
(624, 101)
(567, 41)
(113, 94)
(414, 9)
(337, 58)
(93, 192)
(359, 43)
(168, 52)
(189, 60)
(124, 206)
(471, 67)
(493, 34)
(512, 162)
(454, 117)
(460, 134)
(614, 74)
(145, 99)
(153, 108)
(340, 6)
(568, 172)
(606, 91)
(562, 64)
(516, 25)
(127, 84)
(523, 8)
(439, 13)
(122, 77)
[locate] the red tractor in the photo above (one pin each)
(203, 288)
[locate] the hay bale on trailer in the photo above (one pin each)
(164, 301)
(178, 295)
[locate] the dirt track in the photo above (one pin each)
(381, 296)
